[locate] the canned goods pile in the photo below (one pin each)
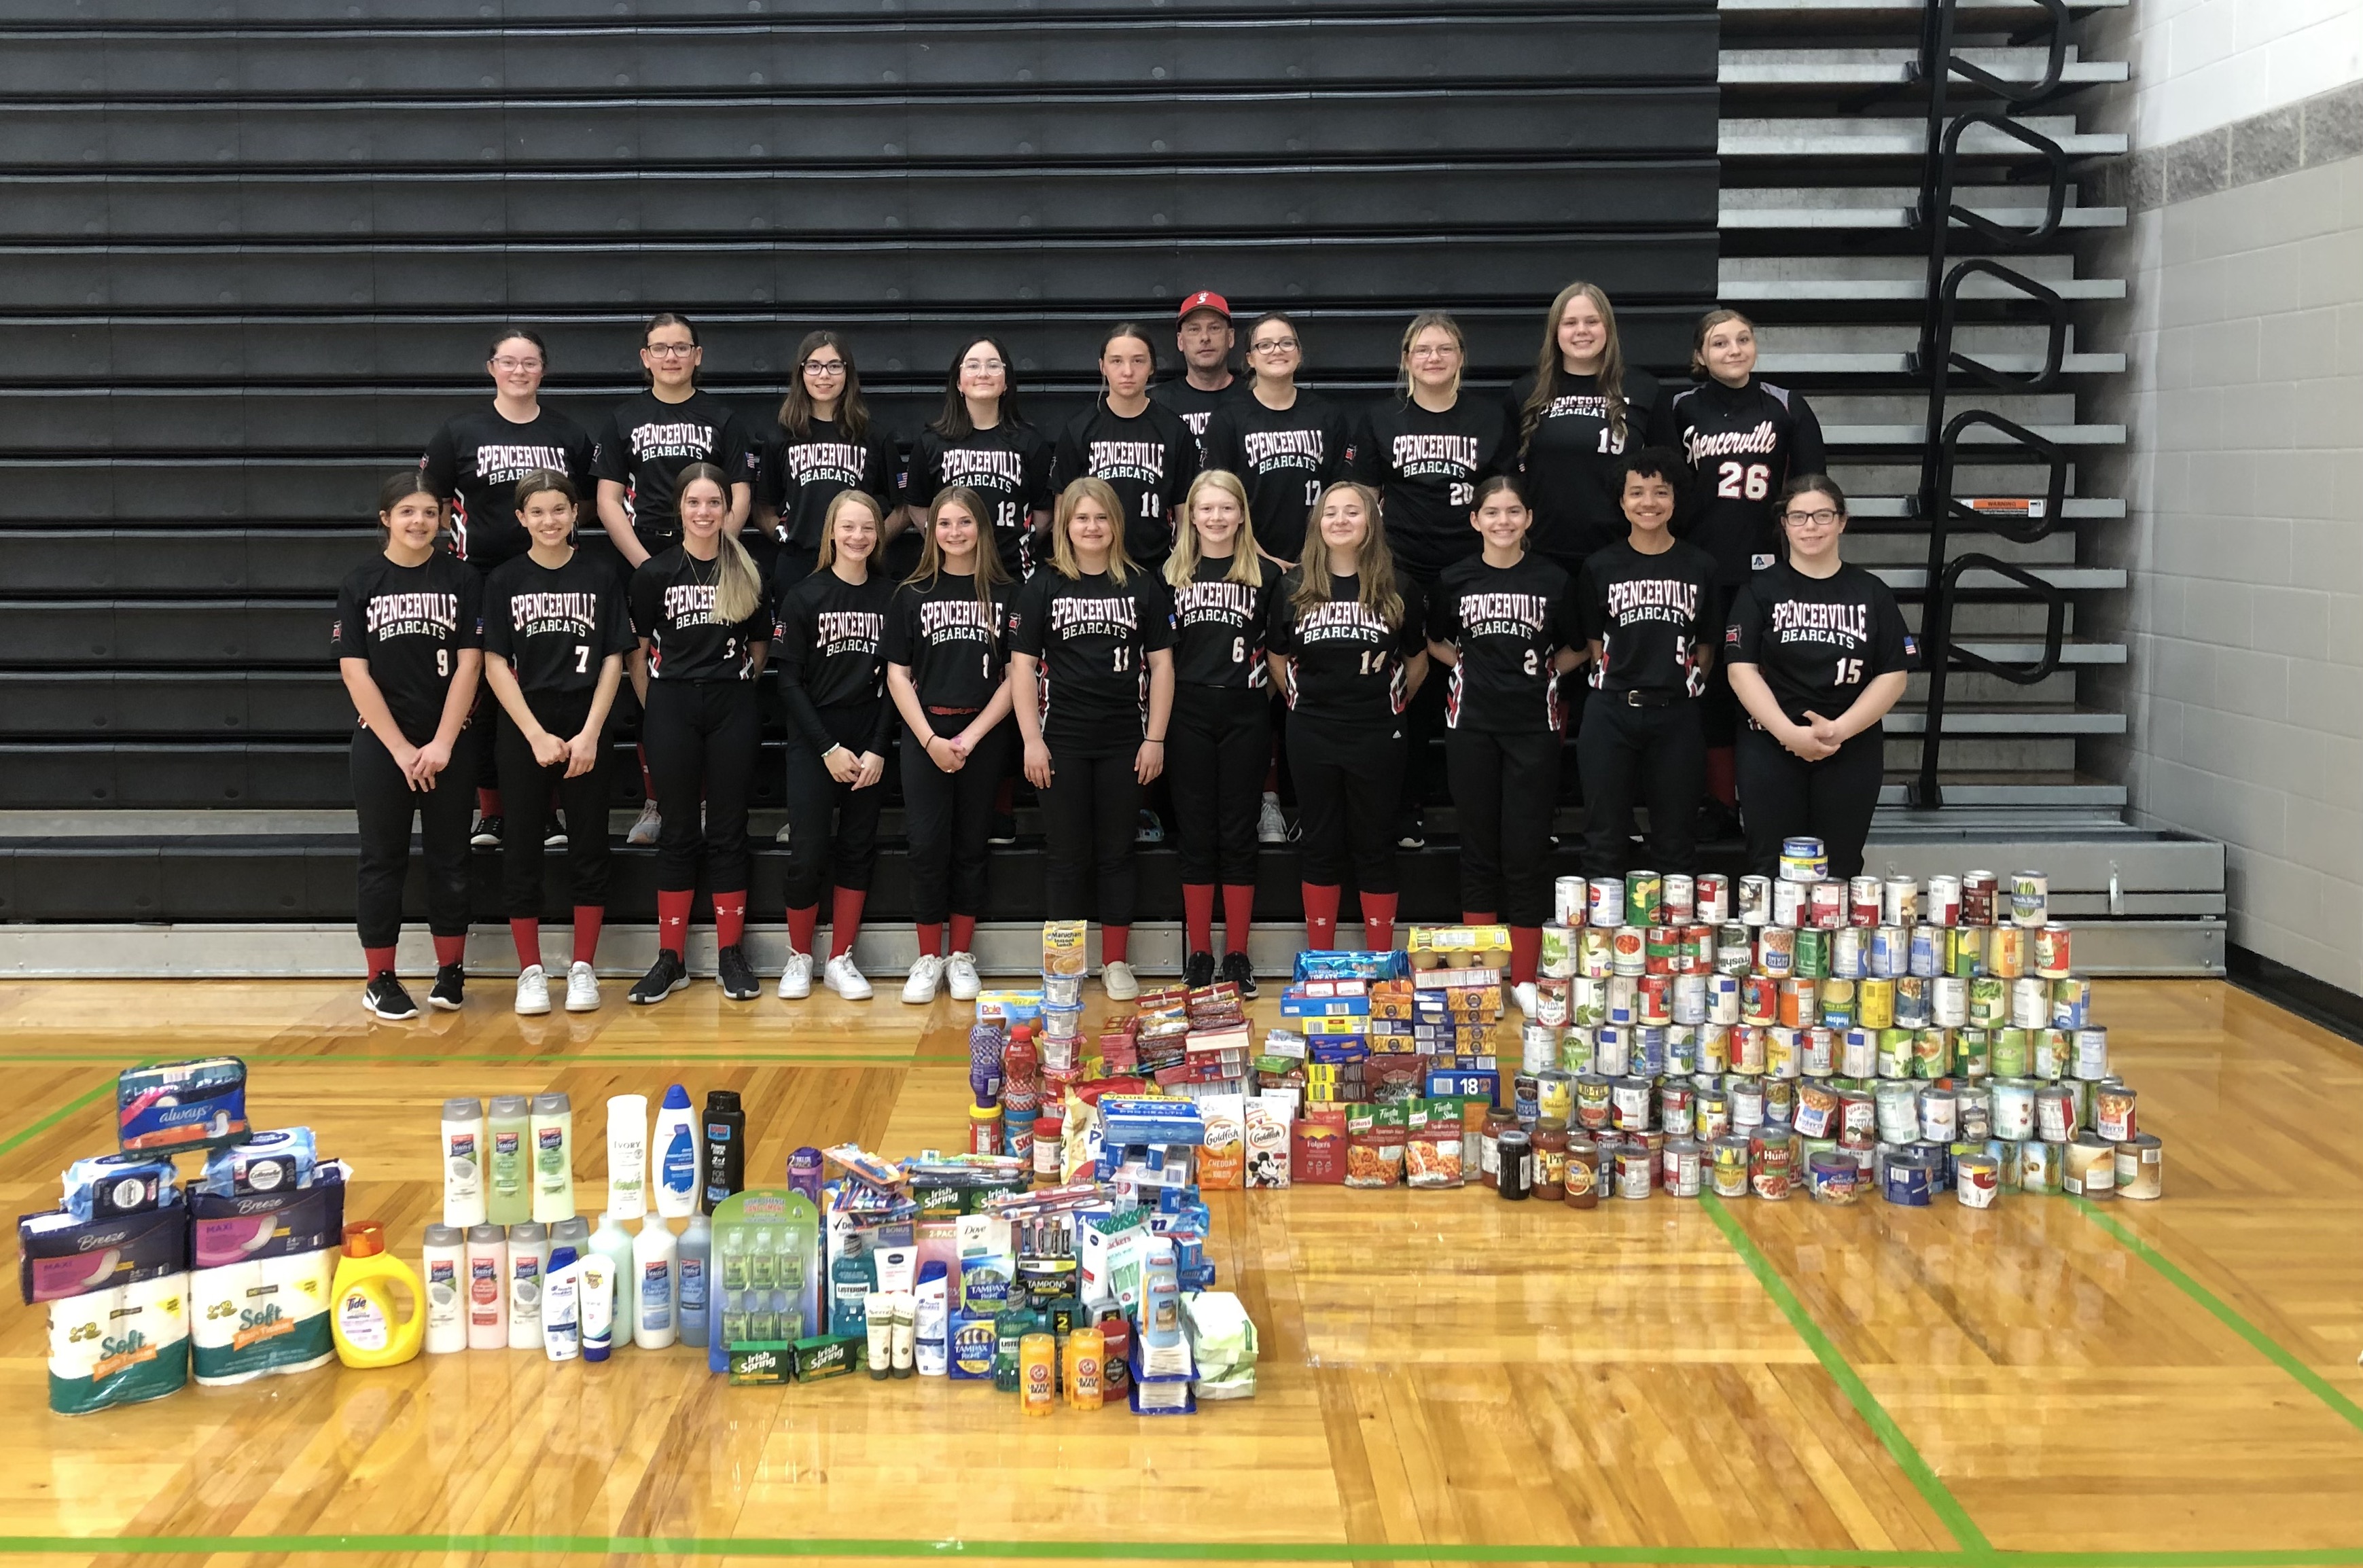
(1841, 1036)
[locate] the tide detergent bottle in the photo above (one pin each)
(370, 1325)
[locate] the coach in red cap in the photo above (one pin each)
(1205, 340)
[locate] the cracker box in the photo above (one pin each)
(1268, 1144)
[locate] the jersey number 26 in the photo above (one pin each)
(1736, 481)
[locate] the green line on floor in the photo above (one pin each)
(1916, 1469)
(2263, 1343)
(83, 1101)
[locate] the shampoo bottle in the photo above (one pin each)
(694, 1271)
(463, 1163)
(655, 1294)
(932, 1311)
(363, 1315)
(628, 1156)
(562, 1329)
(614, 1243)
(528, 1271)
(488, 1288)
(508, 1162)
(552, 1132)
(444, 1260)
(675, 1155)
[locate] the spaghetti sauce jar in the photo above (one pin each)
(1550, 1148)
(1514, 1157)
(1583, 1174)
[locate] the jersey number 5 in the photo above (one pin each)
(1736, 481)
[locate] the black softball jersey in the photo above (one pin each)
(1148, 460)
(1817, 641)
(825, 644)
(953, 643)
(1198, 409)
(1426, 468)
(1743, 444)
(645, 443)
(1572, 461)
(556, 626)
(1648, 613)
(1509, 623)
(1219, 627)
(797, 476)
(1093, 636)
(672, 605)
(1008, 466)
(1284, 458)
(410, 623)
(1349, 667)
(475, 460)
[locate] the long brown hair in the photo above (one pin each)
(738, 586)
(795, 408)
(1374, 563)
(1706, 324)
(990, 572)
(1063, 561)
(1550, 368)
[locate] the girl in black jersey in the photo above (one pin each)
(1141, 449)
(1743, 437)
(1220, 745)
(409, 642)
(1573, 418)
(829, 628)
(1286, 445)
(1817, 652)
(981, 443)
(947, 662)
(1648, 606)
(822, 444)
(1503, 623)
(556, 631)
(1425, 453)
(1349, 649)
(704, 627)
(474, 462)
(1091, 656)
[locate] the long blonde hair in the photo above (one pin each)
(989, 570)
(837, 502)
(1548, 367)
(738, 586)
(1247, 566)
(1090, 487)
(1374, 563)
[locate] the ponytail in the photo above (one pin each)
(738, 586)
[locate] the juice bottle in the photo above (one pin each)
(362, 1314)
(1037, 1374)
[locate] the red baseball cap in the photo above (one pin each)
(1205, 299)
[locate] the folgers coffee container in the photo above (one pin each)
(1581, 1178)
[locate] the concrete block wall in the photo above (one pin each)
(2200, 65)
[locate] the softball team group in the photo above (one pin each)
(1199, 580)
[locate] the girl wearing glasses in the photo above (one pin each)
(1285, 444)
(822, 445)
(1817, 653)
(980, 442)
(652, 436)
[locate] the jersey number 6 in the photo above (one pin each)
(1734, 481)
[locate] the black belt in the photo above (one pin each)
(1645, 699)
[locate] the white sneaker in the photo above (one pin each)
(927, 973)
(644, 831)
(581, 989)
(1271, 827)
(533, 992)
(796, 980)
(1117, 978)
(961, 970)
(1523, 990)
(844, 977)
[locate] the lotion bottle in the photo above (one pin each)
(628, 1156)
(463, 1163)
(508, 1160)
(444, 1262)
(552, 1132)
(488, 1288)
(614, 1243)
(528, 1281)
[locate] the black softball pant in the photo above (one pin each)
(702, 737)
(384, 805)
(1782, 796)
(1217, 751)
(1505, 787)
(1655, 756)
(1348, 783)
(1089, 815)
(832, 827)
(947, 816)
(525, 802)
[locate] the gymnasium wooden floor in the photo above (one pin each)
(1445, 1377)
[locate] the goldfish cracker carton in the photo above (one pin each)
(1222, 1162)
(1267, 1126)
(1063, 950)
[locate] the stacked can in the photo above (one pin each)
(1771, 1035)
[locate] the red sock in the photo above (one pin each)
(1198, 915)
(931, 940)
(1377, 921)
(380, 960)
(729, 917)
(648, 779)
(1239, 915)
(1320, 914)
(1722, 775)
(673, 921)
(964, 933)
(800, 927)
(1479, 917)
(527, 934)
(845, 919)
(1115, 942)
(451, 950)
(588, 918)
(488, 802)
(1526, 953)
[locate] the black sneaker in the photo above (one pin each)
(737, 980)
(664, 977)
(386, 999)
(450, 983)
(1239, 970)
(1717, 821)
(1199, 971)
(486, 834)
(1410, 833)
(555, 836)
(1000, 827)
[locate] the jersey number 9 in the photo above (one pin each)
(1736, 480)
(442, 661)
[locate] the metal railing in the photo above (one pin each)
(2033, 518)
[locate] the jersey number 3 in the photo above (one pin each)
(1738, 481)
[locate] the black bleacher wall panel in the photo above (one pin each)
(250, 259)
